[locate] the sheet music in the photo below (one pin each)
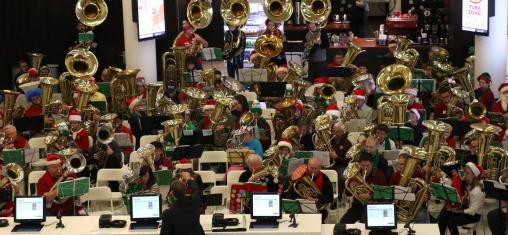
(252, 75)
(196, 75)
(391, 154)
(308, 206)
(209, 53)
(31, 155)
(324, 156)
(123, 139)
(403, 193)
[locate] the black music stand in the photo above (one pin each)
(272, 89)
(30, 124)
(460, 128)
(496, 190)
(188, 151)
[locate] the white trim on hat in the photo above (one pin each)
(503, 89)
(208, 106)
(473, 168)
(415, 111)
(333, 112)
(75, 118)
(360, 97)
(284, 143)
(54, 162)
(133, 103)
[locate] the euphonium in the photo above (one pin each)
(81, 63)
(438, 53)
(85, 91)
(66, 81)
(457, 95)
(47, 84)
(196, 97)
(304, 186)
(355, 181)
(208, 76)
(316, 11)
(122, 88)
(233, 86)
(349, 112)
(442, 69)
(223, 101)
(13, 175)
(146, 153)
(477, 110)
(496, 161)
(403, 44)
(74, 163)
(109, 118)
(465, 80)
(178, 111)
(385, 110)
(174, 129)
(278, 10)
(354, 152)
(235, 12)
(267, 46)
(9, 102)
(105, 133)
(247, 119)
(199, 13)
(91, 12)
(436, 130)
(151, 97)
(323, 137)
(293, 135)
(352, 52)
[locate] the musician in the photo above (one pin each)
(483, 93)
(255, 59)
(501, 106)
(250, 141)
(54, 171)
(255, 165)
(340, 146)
(364, 111)
(472, 202)
(472, 145)
(135, 118)
(261, 124)
(147, 181)
(188, 37)
(120, 128)
(34, 97)
(82, 28)
(415, 124)
(384, 142)
(240, 107)
(498, 218)
(439, 109)
(79, 134)
(281, 72)
(22, 68)
(183, 216)
(285, 148)
(272, 29)
(413, 103)
(160, 160)
(359, 19)
(333, 110)
(305, 136)
(219, 85)
(337, 60)
(234, 59)
(98, 96)
(208, 109)
(188, 124)
(317, 56)
(372, 177)
(106, 156)
(13, 140)
(7, 209)
(447, 139)
(378, 160)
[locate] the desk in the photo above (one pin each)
(327, 229)
(89, 225)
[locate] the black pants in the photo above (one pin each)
(354, 214)
(451, 221)
(497, 222)
(233, 65)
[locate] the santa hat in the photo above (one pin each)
(33, 72)
(34, 92)
(210, 104)
(299, 105)
(256, 107)
(485, 77)
(333, 110)
(53, 159)
(132, 102)
(503, 87)
(411, 91)
(475, 168)
(359, 93)
(284, 142)
(319, 81)
(282, 68)
(140, 80)
(415, 111)
(74, 116)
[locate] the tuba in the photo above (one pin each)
(457, 95)
(477, 110)
(146, 153)
(278, 11)
(436, 130)
(323, 137)
(13, 175)
(465, 80)
(178, 111)
(122, 88)
(485, 134)
(85, 90)
(299, 87)
(196, 97)
(268, 46)
(199, 13)
(174, 129)
(394, 80)
(408, 58)
(91, 12)
(316, 11)
(223, 101)
(349, 112)
(327, 92)
(233, 86)
(66, 86)
(74, 163)
(355, 181)
(295, 72)
(352, 52)
(173, 66)
(47, 84)
(292, 133)
(9, 103)
(151, 97)
(285, 117)
(81, 63)
(235, 12)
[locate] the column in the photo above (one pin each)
(139, 55)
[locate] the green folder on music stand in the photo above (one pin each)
(291, 206)
(85, 37)
(73, 187)
(163, 177)
(105, 88)
(445, 192)
(382, 192)
(401, 133)
(424, 85)
(14, 156)
(100, 105)
(304, 154)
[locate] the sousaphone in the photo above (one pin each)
(199, 13)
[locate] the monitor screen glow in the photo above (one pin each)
(381, 216)
(29, 209)
(151, 19)
(475, 16)
(145, 207)
(266, 205)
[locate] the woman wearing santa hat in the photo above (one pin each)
(415, 124)
(472, 202)
(281, 72)
(79, 134)
(285, 148)
(483, 93)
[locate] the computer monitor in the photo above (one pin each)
(29, 209)
(381, 216)
(266, 206)
(145, 208)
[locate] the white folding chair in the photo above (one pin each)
(249, 95)
(215, 157)
(33, 178)
(233, 176)
(334, 179)
(208, 177)
(107, 174)
(267, 113)
(225, 191)
(37, 142)
(102, 193)
(146, 139)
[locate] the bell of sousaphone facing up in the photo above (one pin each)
(199, 13)
(174, 129)
(316, 11)
(85, 91)
(81, 63)
(91, 12)
(278, 10)
(235, 12)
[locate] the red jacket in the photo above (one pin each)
(415, 105)
(81, 140)
(44, 185)
(33, 111)
(163, 162)
(498, 108)
(485, 97)
(18, 143)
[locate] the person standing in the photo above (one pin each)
(317, 55)
(235, 39)
(361, 13)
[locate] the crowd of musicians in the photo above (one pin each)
(355, 130)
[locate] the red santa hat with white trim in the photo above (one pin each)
(503, 87)
(285, 142)
(319, 81)
(132, 102)
(476, 169)
(74, 116)
(333, 110)
(53, 159)
(282, 68)
(360, 93)
(210, 104)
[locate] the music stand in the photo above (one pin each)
(291, 206)
(163, 177)
(339, 71)
(496, 190)
(445, 192)
(272, 89)
(401, 134)
(30, 124)
(383, 192)
(252, 75)
(460, 128)
(237, 156)
(424, 85)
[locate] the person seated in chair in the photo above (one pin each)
(147, 181)
(160, 160)
(384, 142)
(13, 140)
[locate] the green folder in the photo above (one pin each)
(163, 177)
(85, 37)
(445, 192)
(291, 206)
(304, 154)
(424, 85)
(105, 88)
(100, 105)
(383, 192)
(73, 187)
(400, 133)
(14, 156)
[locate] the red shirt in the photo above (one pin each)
(19, 143)
(44, 185)
(183, 40)
(395, 179)
(498, 108)
(163, 162)
(81, 140)
(333, 64)
(415, 105)
(485, 97)
(33, 111)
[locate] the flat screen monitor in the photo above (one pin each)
(29, 209)
(266, 206)
(381, 216)
(151, 19)
(475, 16)
(145, 207)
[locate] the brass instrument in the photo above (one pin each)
(85, 90)
(233, 86)
(496, 161)
(477, 110)
(105, 135)
(196, 97)
(66, 81)
(485, 134)
(436, 130)
(272, 165)
(235, 12)
(173, 66)
(442, 69)
(354, 152)
(292, 133)
(178, 111)
(146, 154)
(393, 80)
(47, 84)
(91, 12)
(278, 11)
(199, 13)
(438, 53)
(208, 76)
(174, 129)
(457, 95)
(463, 75)
(327, 92)
(355, 181)
(235, 140)
(299, 87)
(74, 163)
(408, 58)
(122, 88)
(152, 90)
(232, 49)
(323, 137)
(316, 11)
(35, 59)
(109, 118)
(304, 187)
(81, 63)
(295, 72)
(9, 102)
(268, 46)
(162, 102)
(385, 110)
(247, 119)
(349, 112)
(285, 117)
(352, 52)
(403, 44)
(309, 45)
(13, 175)
(223, 101)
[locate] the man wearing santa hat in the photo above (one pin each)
(333, 110)
(135, 118)
(54, 171)
(483, 93)
(413, 103)
(281, 72)
(79, 134)
(501, 105)
(364, 111)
